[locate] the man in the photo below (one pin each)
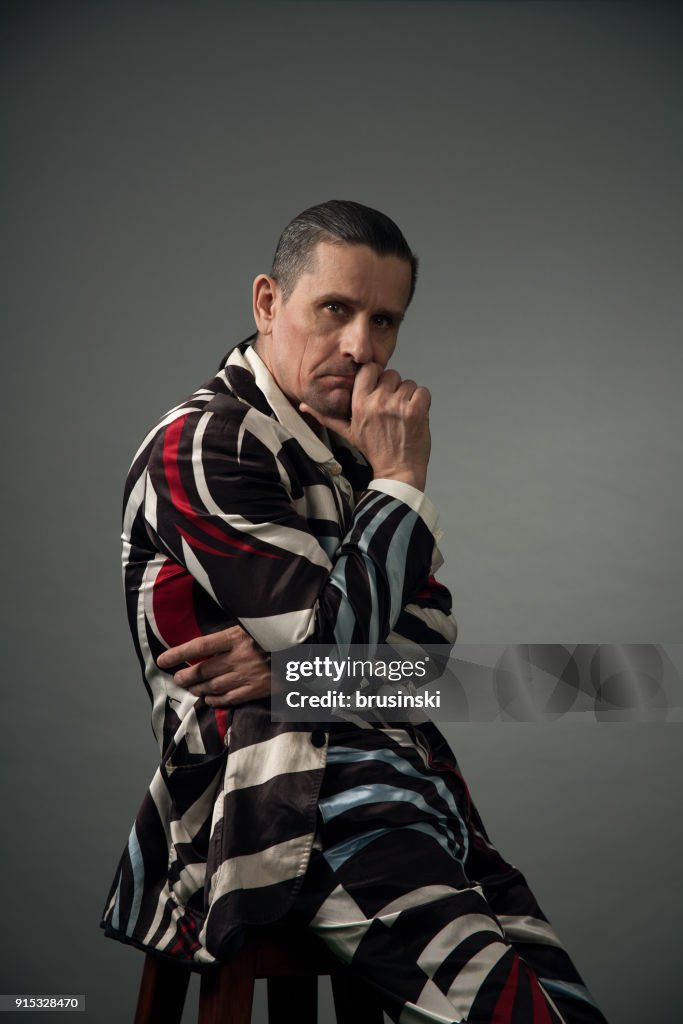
(282, 502)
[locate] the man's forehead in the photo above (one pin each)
(355, 265)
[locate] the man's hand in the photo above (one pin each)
(230, 667)
(389, 424)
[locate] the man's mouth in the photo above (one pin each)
(343, 380)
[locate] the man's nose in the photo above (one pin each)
(356, 341)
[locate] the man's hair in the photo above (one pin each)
(338, 220)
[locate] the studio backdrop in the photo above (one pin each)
(531, 154)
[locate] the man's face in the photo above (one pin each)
(343, 312)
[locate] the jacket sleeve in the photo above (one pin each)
(221, 500)
(427, 618)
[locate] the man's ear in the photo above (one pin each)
(266, 294)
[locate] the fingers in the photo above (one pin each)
(237, 671)
(366, 380)
(389, 381)
(202, 647)
(226, 685)
(243, 660)
(406, 391)
(421, 400)
(211, 668)
(226, 690)
(217, 686)
(238, 696)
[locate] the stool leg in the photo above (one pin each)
(226, 995)
(293, 998)
(354, 1000)
(162, 992)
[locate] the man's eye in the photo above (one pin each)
(334, 307)
(382, 321)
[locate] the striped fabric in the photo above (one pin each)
(235, 511)
(404, 885)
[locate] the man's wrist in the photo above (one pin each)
(413, 477)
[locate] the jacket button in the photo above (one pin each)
(318, 738)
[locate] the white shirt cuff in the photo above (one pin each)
(418, 501)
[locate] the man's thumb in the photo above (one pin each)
(339, 426)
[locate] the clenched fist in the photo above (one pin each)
(389, 424)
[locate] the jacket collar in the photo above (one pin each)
(328, 449)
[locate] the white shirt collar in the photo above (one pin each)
(315, 447)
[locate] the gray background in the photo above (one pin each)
(531, 152)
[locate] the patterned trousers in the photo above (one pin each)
(405, 886)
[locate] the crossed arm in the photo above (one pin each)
(219, 503)
(229, 667)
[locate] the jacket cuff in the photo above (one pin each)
(416, 499)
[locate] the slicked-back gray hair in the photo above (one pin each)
(337, 220)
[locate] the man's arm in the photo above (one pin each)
(231, 667)
(219, 502)
(235, 469)
(228, 667)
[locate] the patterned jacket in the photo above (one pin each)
(236, 511)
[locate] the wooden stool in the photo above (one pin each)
(291, 961)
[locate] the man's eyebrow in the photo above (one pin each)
(393, 314)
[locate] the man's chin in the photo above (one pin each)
(333, 406)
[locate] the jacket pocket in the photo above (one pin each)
(193, 784)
